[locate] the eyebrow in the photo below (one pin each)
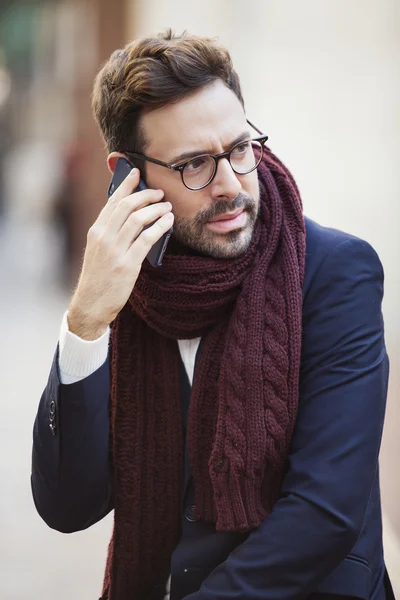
(193, 153)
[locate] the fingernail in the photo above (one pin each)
(134, 171)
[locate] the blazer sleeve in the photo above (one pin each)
(334, 451)
(71, 478)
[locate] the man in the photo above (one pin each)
(233, 416)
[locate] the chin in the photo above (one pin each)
(202, 242)
(225, 246)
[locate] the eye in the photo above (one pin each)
(241, 149)
(197, 164)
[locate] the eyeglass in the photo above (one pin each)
(198, 172)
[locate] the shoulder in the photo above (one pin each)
(331, 254)
(342, 301)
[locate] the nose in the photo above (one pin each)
(225, 183)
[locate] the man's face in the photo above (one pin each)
(208, 121)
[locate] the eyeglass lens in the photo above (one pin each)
(244, 158)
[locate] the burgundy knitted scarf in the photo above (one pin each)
(244, 396)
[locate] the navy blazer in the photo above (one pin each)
(324, 536)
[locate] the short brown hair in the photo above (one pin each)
(150, 73)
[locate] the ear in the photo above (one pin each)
(112, 160)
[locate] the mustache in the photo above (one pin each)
(221, 207)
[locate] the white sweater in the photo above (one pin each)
(79, 358)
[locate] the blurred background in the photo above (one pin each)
(321, 77)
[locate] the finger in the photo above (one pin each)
(129, 205)
(128, 185)
(126, 188)
(141, 246)
(137, 220)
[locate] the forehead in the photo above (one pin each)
(208, 119)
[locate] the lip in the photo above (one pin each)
(234, 221)
(227, 216)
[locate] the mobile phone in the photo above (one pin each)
(122, 170)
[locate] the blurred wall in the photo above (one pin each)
(99, 30)
(322, 79)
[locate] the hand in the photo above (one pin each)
(116, 248)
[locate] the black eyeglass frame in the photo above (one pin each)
(217, 157)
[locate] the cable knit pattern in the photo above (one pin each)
(244, 396)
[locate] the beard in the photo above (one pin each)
(194, 233)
